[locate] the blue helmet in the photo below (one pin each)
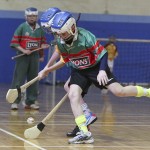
(47, 17)
(31, 11)
(64, 22)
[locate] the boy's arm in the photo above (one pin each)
(42, 74)
(54, 57)
(102, 77)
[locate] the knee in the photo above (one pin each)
(73, 96)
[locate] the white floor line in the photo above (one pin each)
(92, 146)
(123, 124)
(26, 141)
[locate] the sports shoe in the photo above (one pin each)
(24, 103)
(14, 106)
(73, 132)
(32, 106)
(82, 138)
(89, 120)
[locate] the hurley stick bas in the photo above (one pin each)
(12, 94)
(34, 132)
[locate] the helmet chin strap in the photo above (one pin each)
(69, 40)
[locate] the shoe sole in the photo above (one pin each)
(14, 108)
(90, 141)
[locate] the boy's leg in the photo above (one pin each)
(128, 91)
(84, 136)
(90, 119)
(18, 78)
(32, 91)
(90, 116)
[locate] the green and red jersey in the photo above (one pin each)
(28, 38)
(85, 52)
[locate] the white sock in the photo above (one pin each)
(85, 109)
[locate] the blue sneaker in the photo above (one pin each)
(91, 118)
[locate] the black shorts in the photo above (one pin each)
(84, 78)
(77, 78)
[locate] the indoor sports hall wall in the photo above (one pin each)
(124, 7)
(132, 63)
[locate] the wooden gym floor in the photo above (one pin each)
(123, 123)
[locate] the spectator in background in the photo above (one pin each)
(27, 37)
(111, 48)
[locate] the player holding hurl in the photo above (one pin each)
(76, 46)
(27, 37)
(46, 20)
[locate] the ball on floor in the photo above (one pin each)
(30, 120)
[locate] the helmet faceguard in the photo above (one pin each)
(64, 25)
(47, 17)
(31, 11)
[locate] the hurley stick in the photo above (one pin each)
(34, 132)
(12, 94)
(44, 46)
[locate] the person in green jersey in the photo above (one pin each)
(46, 20)
(80, 49)
(27, 37)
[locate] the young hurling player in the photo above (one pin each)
(46, 20)
(88, 59)
(27, 37)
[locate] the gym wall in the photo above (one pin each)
(102, 25)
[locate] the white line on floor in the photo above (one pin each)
(26, 141)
